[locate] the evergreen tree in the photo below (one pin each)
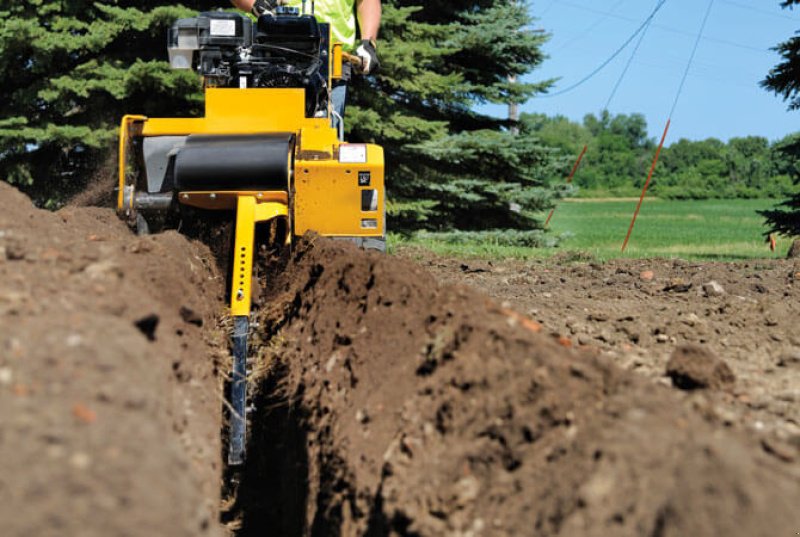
(70, 70)
(448, 165)
(784, 80)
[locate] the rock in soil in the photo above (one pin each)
(713, 288)
(692, 367)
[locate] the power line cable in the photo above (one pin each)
(613, 56)
(669, 122)
(691, 58)
(762, 11)
(589, 29)
(548, 8)
(627, 66)
(669, 28)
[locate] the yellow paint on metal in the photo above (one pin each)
(248, 213)
(124, 135)
(336, 61)
(227, 200)
(327, 196)
(252, 111)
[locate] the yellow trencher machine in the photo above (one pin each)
(268, 147)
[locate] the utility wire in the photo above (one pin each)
(612, 57)
(628, 65)
(589, 29)
(691, 58)
(548, 8)
(668, 28)
(762, 11)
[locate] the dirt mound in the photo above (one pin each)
(109, 408)
(402, 407)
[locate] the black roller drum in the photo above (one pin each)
(247, 162)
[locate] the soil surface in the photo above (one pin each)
(109, 399)
(640, 313)
(629, 398)
(403, 407)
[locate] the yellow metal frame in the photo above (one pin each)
(124, 136)
(336, 61)
(249, 212)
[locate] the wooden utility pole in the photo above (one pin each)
(513, 109)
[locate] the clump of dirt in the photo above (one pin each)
(402, 407)
(109, 398)
(693, 367)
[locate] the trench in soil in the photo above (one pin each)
(268, 495)
(388, 405)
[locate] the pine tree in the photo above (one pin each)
(70, 70)
(450, 167)
(784, 80)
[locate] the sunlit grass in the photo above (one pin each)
(697, 229)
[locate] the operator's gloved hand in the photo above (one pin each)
(369, 57)
(262, 7)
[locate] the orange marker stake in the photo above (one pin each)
(646, 184)
(569, 180)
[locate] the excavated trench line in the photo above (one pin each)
(389, 405)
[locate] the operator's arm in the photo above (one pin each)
(369, 18)
(244, 5)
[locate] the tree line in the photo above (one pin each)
(620, 154)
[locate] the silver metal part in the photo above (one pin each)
(367, 243)
(238, 392)
(142, 226)
(339, 124)
(157, 152)
(127, 195)
(152, 202)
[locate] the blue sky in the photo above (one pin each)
(721, 97)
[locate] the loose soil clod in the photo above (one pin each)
(693, 367)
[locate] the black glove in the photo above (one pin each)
(262, 7)
(369, 57)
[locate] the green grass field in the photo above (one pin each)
(702, 229)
